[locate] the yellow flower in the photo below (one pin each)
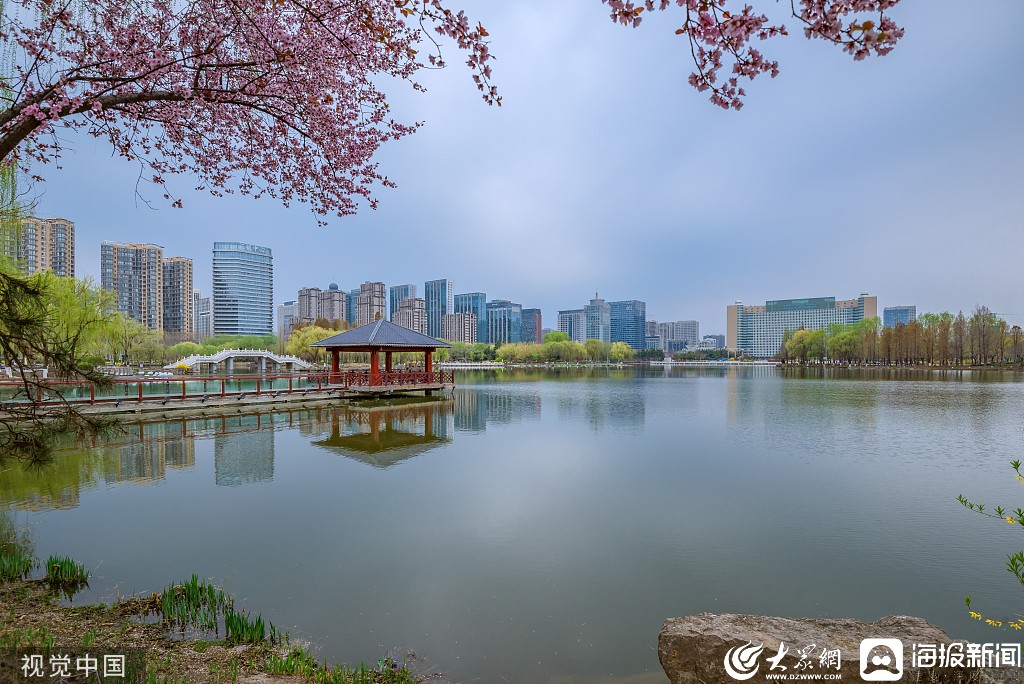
(1010, 520)
(1015, 625)
(976, 616)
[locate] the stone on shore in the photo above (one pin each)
(693, 649)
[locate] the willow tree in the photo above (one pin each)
(45, 322)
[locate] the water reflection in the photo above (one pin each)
(241, 459)
(244, 448)
(384, 435)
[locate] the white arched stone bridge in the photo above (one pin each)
(228, 356)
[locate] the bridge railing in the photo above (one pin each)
(225, 354)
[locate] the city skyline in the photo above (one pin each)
(899, 160)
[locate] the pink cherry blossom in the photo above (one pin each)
(720, 32)
(261, 97)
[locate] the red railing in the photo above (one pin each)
(79, 392)
(58, 392)
(407, 378)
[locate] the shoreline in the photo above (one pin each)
(33, 618)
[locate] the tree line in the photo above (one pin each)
(932, 339)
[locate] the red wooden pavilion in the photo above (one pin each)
(385, 336)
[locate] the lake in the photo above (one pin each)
(538, 526)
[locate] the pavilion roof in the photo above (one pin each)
(381, 333)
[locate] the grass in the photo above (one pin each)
(15, 565)
(31, 617)
(66, 575)
(201, 605)
(193, 604)
(301, 663)
(27, 637)
(17, 559)
(239, 628)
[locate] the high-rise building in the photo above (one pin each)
(629, 323)
(758, 331)
(333, 304)
(598, 319)
(204, 318)
(243, 289)
(573, 322)
(650, 328)
(440, 298)
(134, 273)
(352, 297)
(459, 327)
(41, 245)
(712, 342)
(504, 322)
(898, 315)
(532, 326)
(196, 296)
(689, 331)
(309, 304)
(372, 303)
(287, 318)
(412, 314)
(397, 293)
(666, 332)
(178, 299)
(476, 304)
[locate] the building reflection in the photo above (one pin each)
(623, 408)
(476, 407)
(243, 458)
(380, 434)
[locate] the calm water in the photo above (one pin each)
(540, 527)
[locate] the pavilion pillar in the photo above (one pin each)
(335, 366)
(374, 365)
(387, 361)
(428, 356)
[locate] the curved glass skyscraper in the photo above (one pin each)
(243, 289)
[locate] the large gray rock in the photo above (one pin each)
(693, 650)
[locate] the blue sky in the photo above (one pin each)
(604, 170)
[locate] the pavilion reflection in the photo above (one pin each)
(385, 434)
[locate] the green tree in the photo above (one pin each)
(598, 350)
(301, 338)
(45, 322)
(620, 351)
(556, 336)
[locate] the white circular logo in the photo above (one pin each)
(741, 661)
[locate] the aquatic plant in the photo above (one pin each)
(17, 558)
(15, 565)
(240, 628)
(193, 604)
(66, 575)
